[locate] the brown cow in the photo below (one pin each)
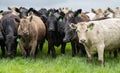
(32, 31)
(115, 12)
(99, 13)
(13, 10)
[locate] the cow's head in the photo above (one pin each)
(43, 11)
(10, 44)
(51, 22)
(23, 12)
(14, 10)
(43, 14)
(75, 17)
(24, 27)
(66, 10)
(1, 11)
(61, 22)
(82, 29)
(99, 13)
(115, 12)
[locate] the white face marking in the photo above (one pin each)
(81, 32)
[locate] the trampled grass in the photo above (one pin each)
(62, 64)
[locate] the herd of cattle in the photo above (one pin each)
(89, 32)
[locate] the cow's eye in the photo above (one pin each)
(77, 31)
(86, 30)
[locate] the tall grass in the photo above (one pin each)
(61, 64)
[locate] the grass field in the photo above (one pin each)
(62, 64)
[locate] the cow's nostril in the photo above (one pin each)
(25, 32)
(64, 40)
(8, 53)
(82, 41)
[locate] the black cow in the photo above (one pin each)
(9, 26)
(23, 12)
(53, 36)
(41, 13)
(70, 34)
(2, 41)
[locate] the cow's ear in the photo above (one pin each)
(93, 11)
(109, 9)
(106, 13)
(17, 20)
(60, 19)
(78, 13)
(1, 11)
(9, 8)
(62, 14)
(17, 10)
(90, 26)
(73, 26)
(31, 18)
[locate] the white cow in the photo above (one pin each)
(98, 36)
(96, 14)
(91, 15)
(115, 12)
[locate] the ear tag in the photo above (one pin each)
(18, 39)
(91, 27)
(30, 12)
(79, 15)
(60, 20)
(49, 14)
(107, 13)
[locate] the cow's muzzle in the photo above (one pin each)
(82, 41)
(66, 40)
(25, 32)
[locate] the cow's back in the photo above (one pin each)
(107, 31)
(39, 27)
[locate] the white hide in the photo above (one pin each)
(104, 35)
(91, 15)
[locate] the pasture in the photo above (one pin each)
(61, 64)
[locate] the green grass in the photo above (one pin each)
(62, 64)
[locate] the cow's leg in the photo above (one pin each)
(77, 48)
(73, 49)
(115, 53)
(15, 49)
(100, 50)
(41, 44)
(33, 49)
(53, 51)
(3, 50)
(63, 48)
(24, 54)
(88, 53)
(36, 52)
(49, 47)
(110, 53)
(82, 48)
